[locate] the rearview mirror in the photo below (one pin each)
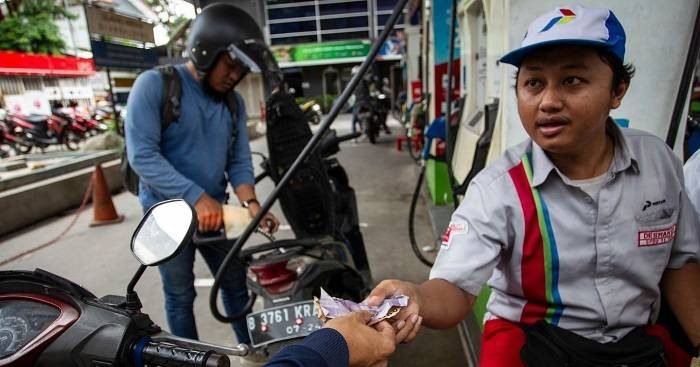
(164, 230)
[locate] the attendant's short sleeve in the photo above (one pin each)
(686, 246)
(473, 242)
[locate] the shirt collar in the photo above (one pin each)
(624, 158)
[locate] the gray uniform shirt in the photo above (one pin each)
(549, 251)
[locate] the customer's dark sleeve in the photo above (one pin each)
(325, 347)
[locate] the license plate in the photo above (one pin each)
(293, 320)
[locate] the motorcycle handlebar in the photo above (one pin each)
(167, 355)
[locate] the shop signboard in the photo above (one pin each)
(322, 51)
(111, 24)
(21, 63)
(112, 55)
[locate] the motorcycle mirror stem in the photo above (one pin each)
(164, 231)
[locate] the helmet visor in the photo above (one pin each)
(237, 54)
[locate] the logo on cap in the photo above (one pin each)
(567, 15)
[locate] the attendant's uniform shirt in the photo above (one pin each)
(550, 251)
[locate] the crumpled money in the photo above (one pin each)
(328, 307)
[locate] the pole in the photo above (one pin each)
(117, 121)
(448, 98)
(686, 81)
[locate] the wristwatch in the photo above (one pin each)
(246, 203)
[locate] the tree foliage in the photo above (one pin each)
(32, 28)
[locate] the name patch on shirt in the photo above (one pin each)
(656, 237)
(452, 230)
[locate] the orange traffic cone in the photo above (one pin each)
(103, 208)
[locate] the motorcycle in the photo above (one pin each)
(312, 112)
(288, 273)
(42, 131)
(46, 320)
(372, 115)
(88, 126)
(8, 141)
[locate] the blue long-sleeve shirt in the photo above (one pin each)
(324, 347)
(194, 154)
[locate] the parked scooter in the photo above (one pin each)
(42, 131)
(312, 112)
(46, 320)
(8, 141)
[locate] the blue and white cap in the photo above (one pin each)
(572, 25)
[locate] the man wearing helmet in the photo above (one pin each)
(200, 153)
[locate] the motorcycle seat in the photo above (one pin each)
(35, 119)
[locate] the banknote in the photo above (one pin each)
(328, 307)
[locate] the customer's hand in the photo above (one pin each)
(269, 222)
(369, 346)
(408, 321)
(209, 213)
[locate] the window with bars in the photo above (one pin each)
(291, 12)
(33, 84)
(343, 8)
(304, 21)
(293, 27)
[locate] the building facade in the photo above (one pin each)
(317, 42)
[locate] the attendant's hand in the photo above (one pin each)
(408, 321)
(369, 346)
(209, 213)
(269, 222)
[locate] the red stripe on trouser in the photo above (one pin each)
(502, 341)
(675, 355)
(532, 264)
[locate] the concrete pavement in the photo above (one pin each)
(99, 259)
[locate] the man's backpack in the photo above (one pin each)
(170, 113)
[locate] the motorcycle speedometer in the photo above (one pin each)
(21, 321)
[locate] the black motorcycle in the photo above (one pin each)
(372, 115)
(48, 321)
(328, 250)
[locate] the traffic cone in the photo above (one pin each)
(103, 208)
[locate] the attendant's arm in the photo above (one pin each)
(680, 283)
(143, 134)
(443, 305)
(681, 287)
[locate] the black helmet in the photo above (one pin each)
(221, 28)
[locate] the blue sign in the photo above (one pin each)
(442, 16)
(112, 55)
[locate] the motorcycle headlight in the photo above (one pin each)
(316, 108)
(381, 96)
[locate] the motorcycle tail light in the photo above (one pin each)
(299, 264)
(274, 277)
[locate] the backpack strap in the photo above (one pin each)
(172, 90)
(170, 104)
(232, 104)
